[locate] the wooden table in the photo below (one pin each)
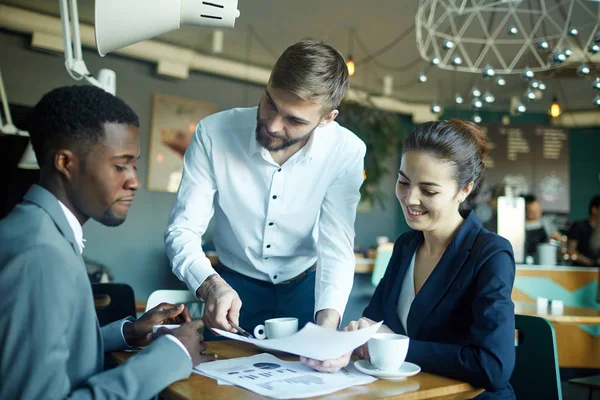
(420, 386)
(569, 315)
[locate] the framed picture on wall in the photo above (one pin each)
(174, 121)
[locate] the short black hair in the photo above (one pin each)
(594, 203)
(74, 117)
(530, 198)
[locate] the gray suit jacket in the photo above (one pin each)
(51, 345)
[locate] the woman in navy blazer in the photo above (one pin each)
(457, 311)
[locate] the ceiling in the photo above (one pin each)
(278, 23)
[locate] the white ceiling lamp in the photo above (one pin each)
(476, 92)
(489, 97)
(500, 81)
(28, 160)
(459, 99)
(422, 77)
(477, 103)
(476, 118)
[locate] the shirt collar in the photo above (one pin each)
(75, 226)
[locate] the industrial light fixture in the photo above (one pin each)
(477, 103)
(530, 95)
(596, 83)
(422, 77)
(500, 81)
(567, 52)
(448, 44)
(476, 92)
(512, 30)
(597, 100)
(559, 56)
(521, 107)
(573, 31)
(554, 108)
(434, 60)
(457, 60)
(476, 118)
(542, 86)
(489, 97)
(544, 45)
(28, 160)
(436, 108)
(594, 48)
(458, 99)
(535, 84)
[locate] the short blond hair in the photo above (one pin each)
(313, 71)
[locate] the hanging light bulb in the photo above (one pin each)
(434, 60)
(573, 31)
(457, 60)
(477, 103)
(488, 72)
(530, 94)
(476, 92)
(583, 70)
(422, 77)
(535, 84)
(500, 81)
(350, 65)
(544, 45)
(448, 44)
(476, 118)
(554, 108)
(558, 56)
(489, 97)
(521, 107)
(512, 30)
(597, 100)
(542, 86)
(567, 52)
(458, 99)
(436, 108)
(528, 73)
(596, 84)
(594, 48)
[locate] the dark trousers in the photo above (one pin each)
(264, 300)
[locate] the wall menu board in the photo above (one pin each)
(530, 159)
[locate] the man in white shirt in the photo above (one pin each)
(282, 181)
(51, 346)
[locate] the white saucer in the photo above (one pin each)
(407, 369)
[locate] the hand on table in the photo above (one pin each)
(189, 335)
(136, 332)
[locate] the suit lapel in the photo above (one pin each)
(443, 275)
(46, 200)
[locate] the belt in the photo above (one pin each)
(297, 277)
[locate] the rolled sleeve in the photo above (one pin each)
(335, 260)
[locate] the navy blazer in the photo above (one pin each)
(461, 323)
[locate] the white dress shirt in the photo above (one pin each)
(78, 233)
(272, 221)
(407, 294)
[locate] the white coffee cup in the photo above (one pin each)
(388, 351)
(157, 327)
(276, 328)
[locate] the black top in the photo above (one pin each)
(533, 237)
(582, 232)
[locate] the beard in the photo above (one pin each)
(109, 218)
(279, 142)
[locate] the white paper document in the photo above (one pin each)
(269, 376)
(313, 341)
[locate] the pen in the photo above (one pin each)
(241, 331)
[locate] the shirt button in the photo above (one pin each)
(268, 246)
(266, 258)
(274, 276)
(274, 197)
(270, 224)
(279, 170)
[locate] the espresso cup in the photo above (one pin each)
(276, 328)
(157, 327)
(388, 351)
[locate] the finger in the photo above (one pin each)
(196, 324)
(207, 358)
(185, 315)
(362, 324)
(155, 335)
(220, 317)
(203, 346)
(234, 311)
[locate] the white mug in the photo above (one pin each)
(157, 327)
(388, 351)
(276, 328)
